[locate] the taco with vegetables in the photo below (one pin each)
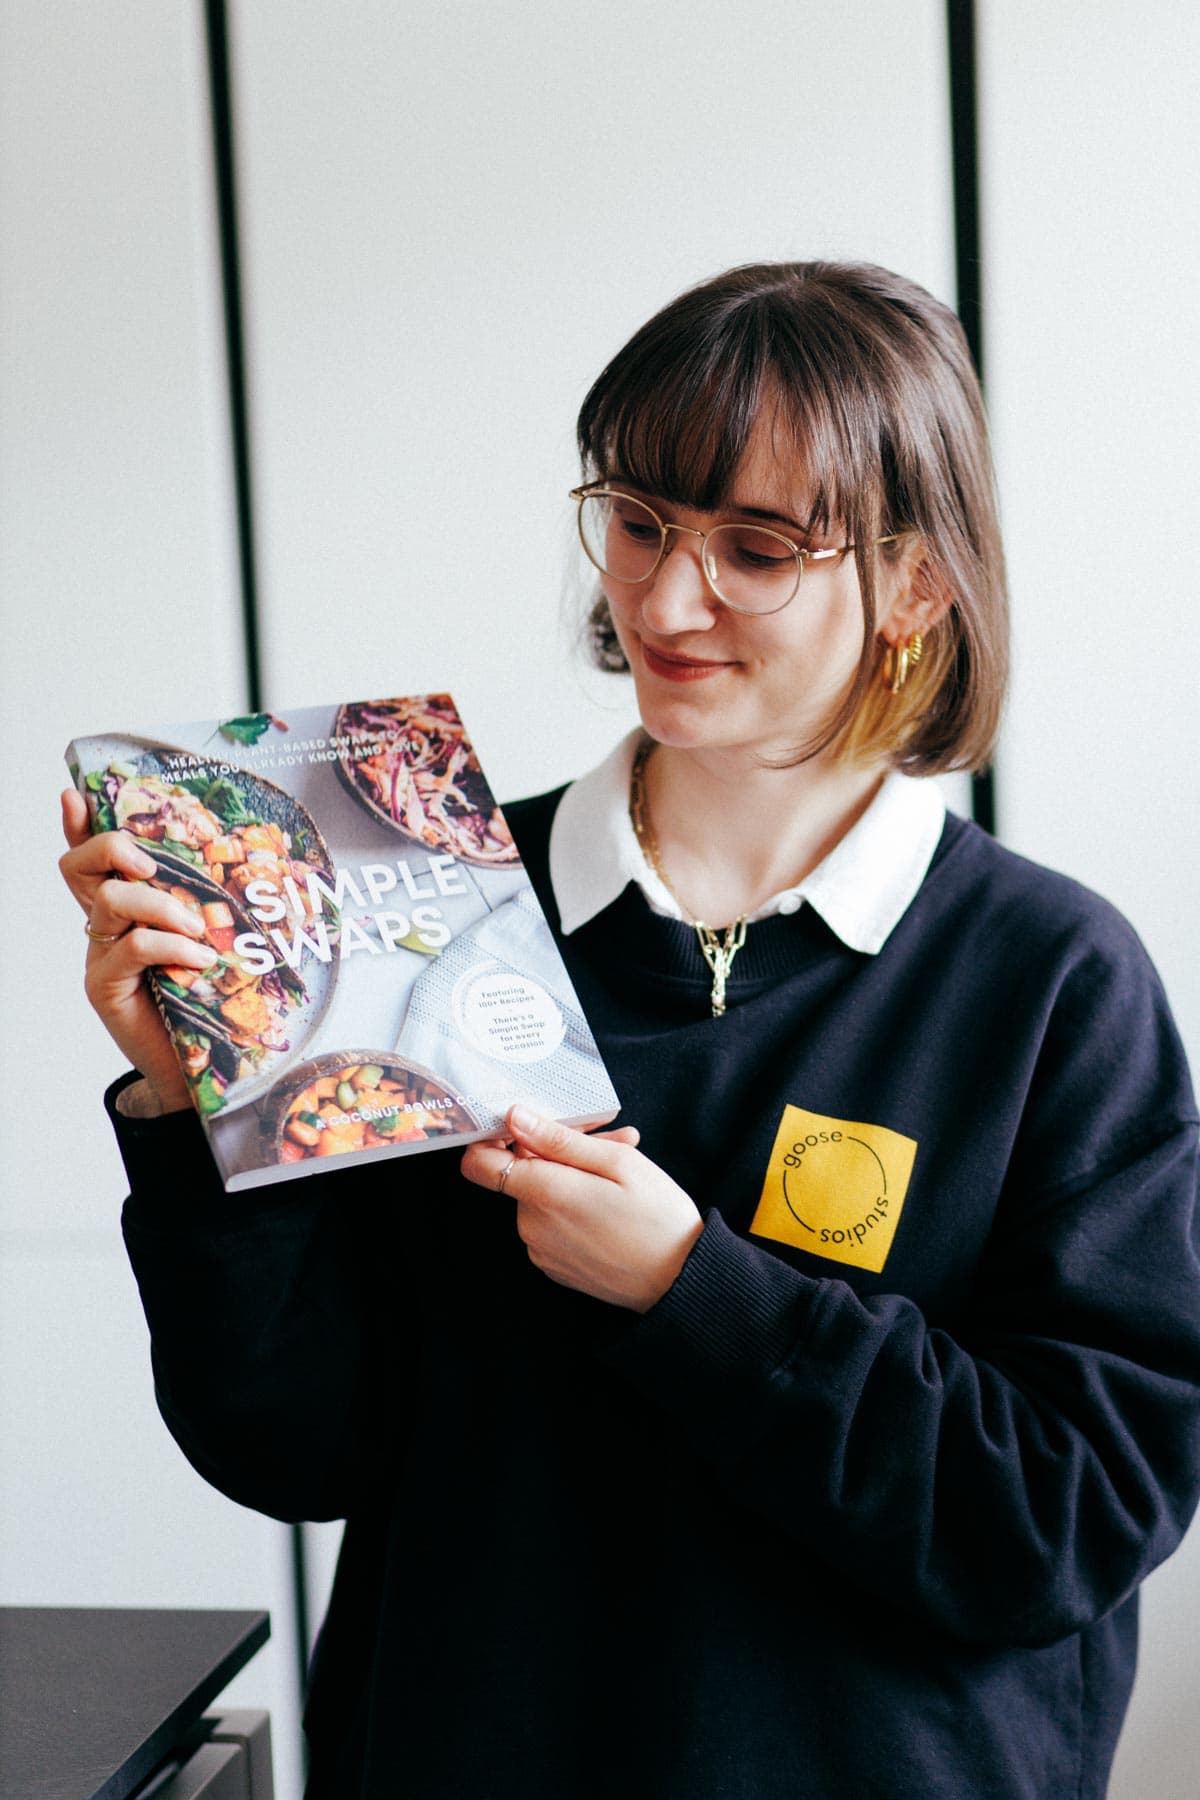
(235, 829)
(227, 1023)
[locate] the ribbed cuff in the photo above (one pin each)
(709, 1350)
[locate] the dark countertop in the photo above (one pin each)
(93, 1698)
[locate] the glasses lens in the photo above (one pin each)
(621, 536)
(753, 569)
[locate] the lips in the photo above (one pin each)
(674, 667)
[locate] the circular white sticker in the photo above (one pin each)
(507, 1016)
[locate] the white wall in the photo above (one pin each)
(119, 595)
(1091, 153)
(451, 217)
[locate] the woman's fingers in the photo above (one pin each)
(147, 928)
(593, 1214)
(109, 876)
(75, 817)
(91, 860)
(136, 927)
(532, 1138)
(531, 1180)
(595, 1153)
(116, 905)
(142, 948)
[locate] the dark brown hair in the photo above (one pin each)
(869, 386)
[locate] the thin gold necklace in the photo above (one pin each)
(717, 952)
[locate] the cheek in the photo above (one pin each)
(837, 623)
(828, 621)
(818, 651)
(622, 606)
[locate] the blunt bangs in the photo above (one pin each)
(674, 412)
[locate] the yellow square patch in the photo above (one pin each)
(835, 1187)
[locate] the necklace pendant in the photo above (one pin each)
(719, 957)
(717, 954)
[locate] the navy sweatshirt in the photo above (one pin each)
(861, 1506)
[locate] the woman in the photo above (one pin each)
(817, 1443)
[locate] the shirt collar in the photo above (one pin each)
(862, 889)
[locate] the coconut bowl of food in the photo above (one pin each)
(351, 1101)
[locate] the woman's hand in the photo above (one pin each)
(149, 929)
(592, 1211)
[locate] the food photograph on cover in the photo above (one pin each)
(359, 886)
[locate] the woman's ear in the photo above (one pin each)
(918, 594)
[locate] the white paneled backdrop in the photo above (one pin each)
(450, 218)
(1091, 160)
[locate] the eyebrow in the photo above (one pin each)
(751, 512)
(765, 512)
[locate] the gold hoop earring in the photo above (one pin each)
(898, 659)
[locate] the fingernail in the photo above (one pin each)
(145, 865)
(523, 1120)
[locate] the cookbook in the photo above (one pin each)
(386, 981)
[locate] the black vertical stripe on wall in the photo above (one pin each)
(964, 145)
(968, 249)
(225, 175)
(299, 1559)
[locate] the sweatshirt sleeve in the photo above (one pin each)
(1012, 1479)
(267, 1339)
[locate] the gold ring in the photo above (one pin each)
(100, 937)
(505, 1172)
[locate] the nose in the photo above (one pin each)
(677, 596)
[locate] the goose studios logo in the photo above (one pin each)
(835, 1187)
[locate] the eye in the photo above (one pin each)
(751, 557)
(634, 521)
(752, 550)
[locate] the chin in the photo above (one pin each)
(684, 725)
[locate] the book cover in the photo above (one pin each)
(387, 980)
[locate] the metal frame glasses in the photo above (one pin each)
(727, 542)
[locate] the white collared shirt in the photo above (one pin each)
(861, 889)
